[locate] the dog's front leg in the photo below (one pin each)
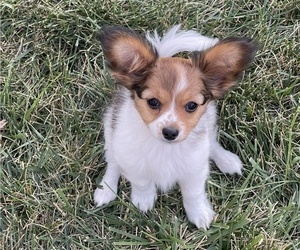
(143, 194)
(196, 204)
(109, 183)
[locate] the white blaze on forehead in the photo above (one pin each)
(182, 82)
(182, 85)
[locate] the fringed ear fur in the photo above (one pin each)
(222, 64)
(129, 56)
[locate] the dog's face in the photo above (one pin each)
(171, 94)
(173, 100)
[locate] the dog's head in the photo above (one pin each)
(171, 93)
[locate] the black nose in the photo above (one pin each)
(170, 133)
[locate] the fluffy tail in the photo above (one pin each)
(176, 40)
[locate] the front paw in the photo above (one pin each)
(200, 216)
(143, 202)
(104, 195)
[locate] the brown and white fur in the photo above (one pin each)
(161, 126)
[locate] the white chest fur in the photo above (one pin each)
(142, 158)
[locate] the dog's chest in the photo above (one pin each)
(140, 156)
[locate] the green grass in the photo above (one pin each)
(55, 86)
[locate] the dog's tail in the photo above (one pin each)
(176, 40)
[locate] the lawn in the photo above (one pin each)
(54, 87)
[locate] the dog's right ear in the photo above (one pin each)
(129, 56)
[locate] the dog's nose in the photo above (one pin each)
(170, 133)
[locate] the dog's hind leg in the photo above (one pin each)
(226, 161)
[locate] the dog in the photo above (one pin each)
(160, 129)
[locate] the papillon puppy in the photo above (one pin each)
(160, 128)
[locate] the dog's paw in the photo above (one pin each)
(104, 195)
(200, 216)
(143, 202)
(228, 163)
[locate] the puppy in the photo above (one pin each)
(161, 126)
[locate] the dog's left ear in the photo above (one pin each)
(222, 64)
(130, 57)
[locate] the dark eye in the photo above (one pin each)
(154, 103)
(191, 107)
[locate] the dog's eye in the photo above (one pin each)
(191, 107)
(154, 103)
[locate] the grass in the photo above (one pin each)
(54, 88)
